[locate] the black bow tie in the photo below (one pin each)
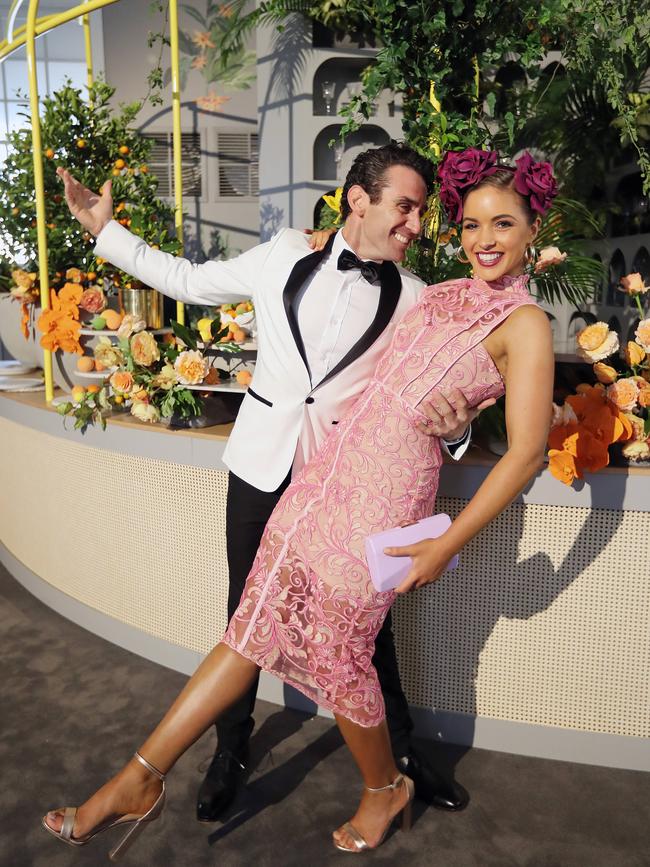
(369, 270)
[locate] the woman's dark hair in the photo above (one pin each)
(504, 179)
(370, 167)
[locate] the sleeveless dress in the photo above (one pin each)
(309, 613)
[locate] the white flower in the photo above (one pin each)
(145, 411)
(563, 415)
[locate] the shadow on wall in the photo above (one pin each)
(442, 631)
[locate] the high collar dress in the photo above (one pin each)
(309, 612)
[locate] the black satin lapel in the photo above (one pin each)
(300, 272)
(391, 287)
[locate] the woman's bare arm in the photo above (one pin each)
(528, 351)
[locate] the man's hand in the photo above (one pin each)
(449, 417)
(430, 559)
(92, 210)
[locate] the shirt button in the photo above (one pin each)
(309, 400)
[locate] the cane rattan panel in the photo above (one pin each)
(140, 540)
(545, 621)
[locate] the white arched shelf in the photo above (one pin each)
(617, 269)
(641, 264)
(344, 74)
(325, 164)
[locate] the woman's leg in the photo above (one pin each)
(371, 750)
(221, 679)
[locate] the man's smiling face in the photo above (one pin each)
(391, 224)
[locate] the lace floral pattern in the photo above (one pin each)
(309, 612)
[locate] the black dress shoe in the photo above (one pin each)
(431, 787)
(219, 788)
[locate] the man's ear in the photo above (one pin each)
(358, 200)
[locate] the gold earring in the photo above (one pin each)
(529, 255)
(459, 254)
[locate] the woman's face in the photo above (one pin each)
(496, 232)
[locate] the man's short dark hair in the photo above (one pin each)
(370, 167)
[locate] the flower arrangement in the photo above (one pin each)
(148, 375)
(613, 410)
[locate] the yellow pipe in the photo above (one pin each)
(43, 25)
(176, 127)
(90, 76)
(39, 186)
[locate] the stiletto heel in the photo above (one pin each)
(405, 815)
(137, 823)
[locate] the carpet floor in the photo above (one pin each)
(74, 707)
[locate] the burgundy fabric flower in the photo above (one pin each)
(536, 182)
(459, 171)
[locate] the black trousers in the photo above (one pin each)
(247, 512)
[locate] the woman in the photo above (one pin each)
(309, 612)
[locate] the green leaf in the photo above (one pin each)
(184, 334)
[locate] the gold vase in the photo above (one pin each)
(143, 303)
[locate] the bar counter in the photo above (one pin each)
(539, 643)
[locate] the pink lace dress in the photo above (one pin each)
(309, 612)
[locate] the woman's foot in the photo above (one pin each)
(132, 791)
(375, 814)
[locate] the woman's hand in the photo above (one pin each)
(430, 559)
(319, 237)
(92, 210)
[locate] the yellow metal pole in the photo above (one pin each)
(39, 187)
(176, 127)
(48, 22)
(89, 51)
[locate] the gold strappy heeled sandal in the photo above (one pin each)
(405, 814)
(136, 823)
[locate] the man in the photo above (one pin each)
(324, 319)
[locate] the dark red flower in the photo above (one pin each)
(459, 171)
(535, 181)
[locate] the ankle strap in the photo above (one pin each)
(396, 782)
(150, 767)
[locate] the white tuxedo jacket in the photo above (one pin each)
(281, 401)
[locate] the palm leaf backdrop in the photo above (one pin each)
(579, 277)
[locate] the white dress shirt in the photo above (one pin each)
(334, 309)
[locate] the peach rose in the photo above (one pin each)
(633, 354)
(604, 373)
(191, 367)
(633, 285)
(624, 394)
(637, 427)
(642, 334)
(93, 300)
(548, 257)
(144, 349)
(166, 378)
(644, 396)
(636, 450)
(121, 381)
(130, 325)
(145, 411)
(596, 342)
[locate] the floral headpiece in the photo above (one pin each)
(459, 171)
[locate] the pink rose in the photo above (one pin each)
(548, 257)
(93, 300)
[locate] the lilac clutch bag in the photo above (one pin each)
(387, 572)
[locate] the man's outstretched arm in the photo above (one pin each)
(210, 283)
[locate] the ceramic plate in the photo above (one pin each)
(15, 368)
